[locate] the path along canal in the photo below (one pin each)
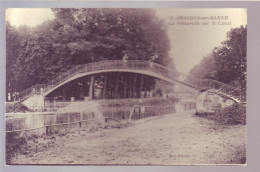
(175, 139)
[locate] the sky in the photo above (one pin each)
(28, 16)
(189, 43)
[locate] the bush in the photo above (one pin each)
(233, 115)
(15, 107)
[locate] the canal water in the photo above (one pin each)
(37, 120)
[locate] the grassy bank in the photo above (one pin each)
(233, 115)
(22, 144)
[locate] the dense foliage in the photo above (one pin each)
(226, 63)
(79, 36)
(232, 115)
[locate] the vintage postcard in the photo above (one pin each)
(126, 86)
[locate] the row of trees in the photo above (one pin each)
(228, 62)
(78, 36)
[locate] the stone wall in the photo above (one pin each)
(210, 102)
(34, 102)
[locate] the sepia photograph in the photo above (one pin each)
(126, 86)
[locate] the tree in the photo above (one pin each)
(12, 51)
(99, 34)
(231, 58)
(227, 63)
(205, 69)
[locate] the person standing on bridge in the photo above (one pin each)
(125, 58)
(41, 90)
(152, 59)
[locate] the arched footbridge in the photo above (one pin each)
(134, 66)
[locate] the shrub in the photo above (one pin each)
(16, 107)
(232, 115)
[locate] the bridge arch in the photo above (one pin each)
(144, 72)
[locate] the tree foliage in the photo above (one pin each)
(79, 36)
(227, 63)
(12, 50)
(205, 69)
(99, 34)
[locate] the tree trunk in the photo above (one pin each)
(63, 95)
(105, 87)
(116, 86)
(133, 93)
(145, 86)
(141, 85)
(125, 88)
(91, 88)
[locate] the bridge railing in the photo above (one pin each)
(38, 88)
(89, 67)
(133, 64)
(201, 83)
(217, 86)
(104, 65)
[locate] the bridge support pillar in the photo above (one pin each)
(209, 102)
